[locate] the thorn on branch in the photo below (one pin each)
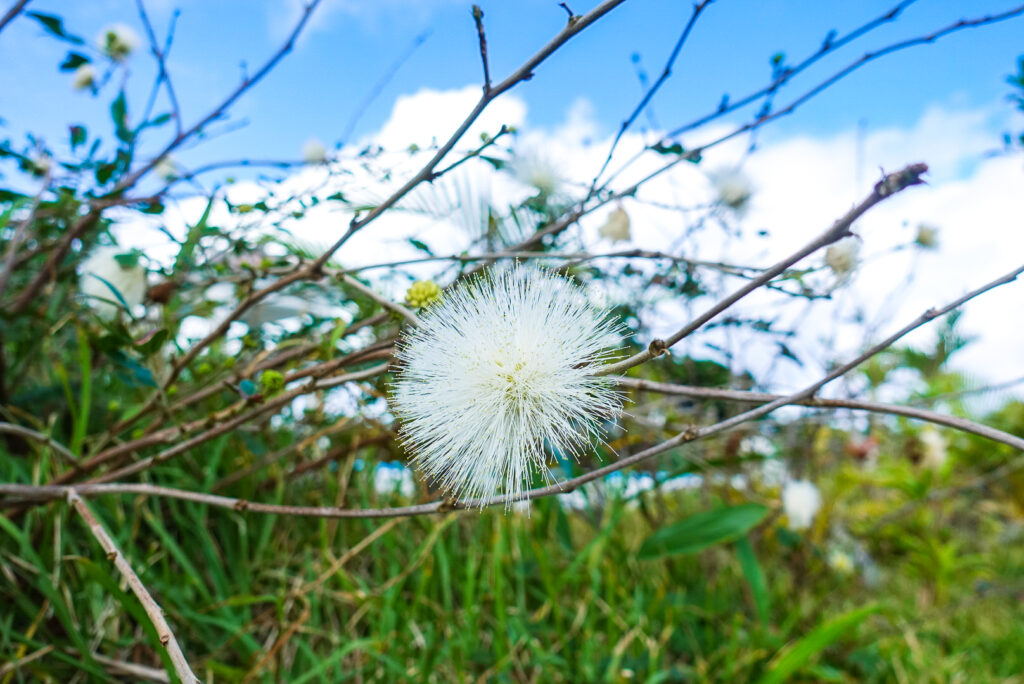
(573, 17)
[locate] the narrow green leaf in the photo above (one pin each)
(796, 654)
(755, 578)
(54, 25)
(701, 530)
(73, 61)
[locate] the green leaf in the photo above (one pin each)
(151, 343)
(54, 25)
(796, 654)
(755, 578)
(78, 135)
(420, 245)
(701, 530)
(73, 61)
(661, 148)
(119, 113)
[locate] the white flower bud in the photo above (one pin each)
(84, 77)
(314, 152)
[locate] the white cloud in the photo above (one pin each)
(801, 185)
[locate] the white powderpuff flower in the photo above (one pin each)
(118, 41)
(112, 267)
(84, 77)
(500, 367)
(842, 257)
(801, 501)
(314, 152)
(733, 189)
(616, 227)
(934, 445)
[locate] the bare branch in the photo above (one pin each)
(954, 422)
(383, 301)
(28, 433)
(887, 187)
(155, 613)
(20, 233)
(478, 18)
(14, 11)
(698, 8)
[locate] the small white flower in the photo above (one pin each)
(497, 369)
(167, 169)
(616, 227)
(733, 189)
(801, 501)
(841, 562)
(112, 267)
(84, 77)
(314, 152)
(118, 41)
(842, 257)
(934, 449)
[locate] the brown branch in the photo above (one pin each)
(14, 11)
(887, 187)
(698, 8)
(954, 422)
(161, 60)
(131, 179)
(383, 301)
(20, 234)
(153, 610)
(478, 19)
(28, 433)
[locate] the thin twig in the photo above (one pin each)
(698, 8)
(20, 233)
(954, 422)
(383, 301)
(14, 11)
(28, 433)
(153, 610)
(478, 18)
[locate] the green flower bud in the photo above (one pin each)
(271, 382)
(423, 293)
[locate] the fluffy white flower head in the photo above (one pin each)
(111, 267)
(801, 501)
(118, 41)
(498, 368)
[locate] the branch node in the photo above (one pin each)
(657, 348)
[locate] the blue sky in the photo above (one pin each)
(352, 44)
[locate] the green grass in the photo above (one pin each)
(553, 597)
